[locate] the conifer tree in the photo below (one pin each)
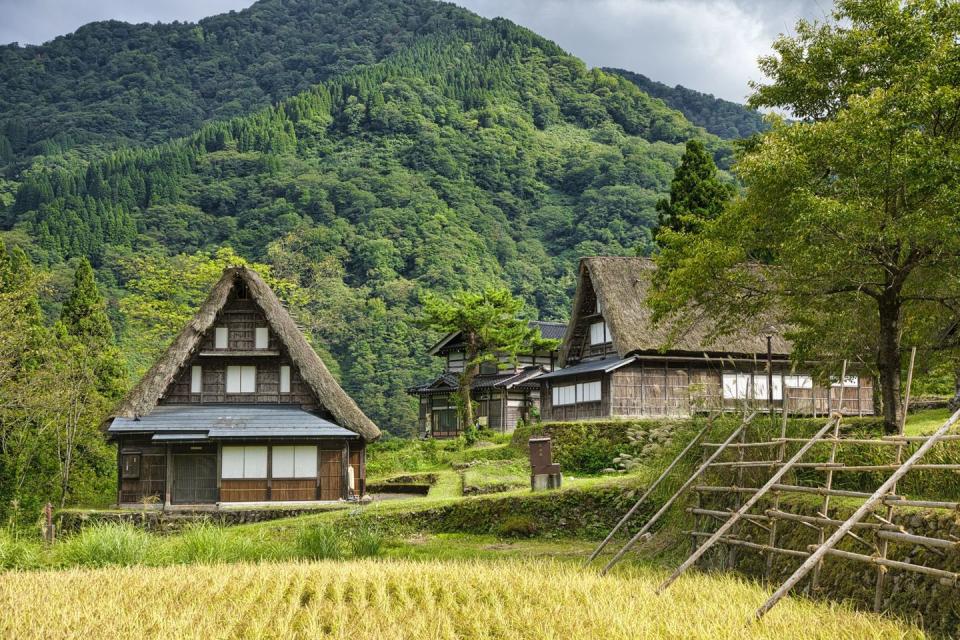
(696, 193)
(84, 314)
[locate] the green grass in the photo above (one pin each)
(494, 476)
(926, 422)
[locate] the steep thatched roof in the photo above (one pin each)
(622, 284)
(144, 397)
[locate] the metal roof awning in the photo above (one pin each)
(605, 365)
(171, 423)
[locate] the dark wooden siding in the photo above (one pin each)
(151, 482)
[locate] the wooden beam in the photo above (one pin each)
(669, 503)
(868, 506)
(725, 527)
(650, 490)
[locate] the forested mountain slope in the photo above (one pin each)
(112, 82)
(483, 155)
(723, 118)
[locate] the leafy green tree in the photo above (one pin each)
(854, 210)
(696, 192)
(491, 324)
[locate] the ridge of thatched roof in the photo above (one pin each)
(144, 396)
(622, 285)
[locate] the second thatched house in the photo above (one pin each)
(612, 362)
(239, 409)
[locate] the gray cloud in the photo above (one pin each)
(708, 45)
(37, 21)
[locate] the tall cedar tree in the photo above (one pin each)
(849, 227)
(696, 193)
(84, 314)
(492, 325)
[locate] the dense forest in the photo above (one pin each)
(723, 118)
(482, 156)
(440, 153)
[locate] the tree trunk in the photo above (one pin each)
(954, 403)
(466, 402)
(888, 362)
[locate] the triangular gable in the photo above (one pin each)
(145, 395)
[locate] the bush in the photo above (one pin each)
(366, 540)
(518, 527)
(320, 542)
(209, 544)
(17, 553)
(105, 544)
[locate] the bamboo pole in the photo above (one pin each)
(689, 562)
(781, 454)
(752, 545)
(868, 506)
(666, 506)
(885, 544)
(923, 541)
(825, 512)
(648, 492)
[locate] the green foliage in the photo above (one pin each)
(817, 236)
(696, 193)
(518, 527)
(364, 537)
(18, 553)
(453, 155)
(210, 544)
(101, 545)
(319, 541)
(728, 120)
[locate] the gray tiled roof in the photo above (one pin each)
(231, 421)
(591, 366)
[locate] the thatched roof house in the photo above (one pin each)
(615, 361)
(240, 408)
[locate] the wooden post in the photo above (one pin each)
(666, 506)
(168, 487)
(725, 527)
(781, 454)
(828, 484)
(647, 493)
(867, 507)
(884, 545)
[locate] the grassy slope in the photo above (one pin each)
(401, 599)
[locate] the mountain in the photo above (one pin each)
(113, 82)
(723, 118)
(481, 154)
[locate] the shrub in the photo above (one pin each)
(105, 544)
(366, 540)
(210, 544)
(518, 527)
(320, 542)
(17, 553)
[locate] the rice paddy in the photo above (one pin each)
(399, 599)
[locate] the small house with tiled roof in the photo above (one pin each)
(505, 391)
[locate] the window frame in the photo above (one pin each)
(243, 376)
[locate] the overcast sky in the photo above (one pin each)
(708, 45)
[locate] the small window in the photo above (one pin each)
(798, 382)
(291, 461)
(564, 395)
(848, 381)
(220, 338)
(130, 464)
(241, 379)
(285, 379)
(261, 337)
(243, 462)
(488, 368)
(598, 333)
(196, 379)
(588, 391)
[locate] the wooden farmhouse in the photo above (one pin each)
(613, 363)
(239, 409)
(504, 391)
